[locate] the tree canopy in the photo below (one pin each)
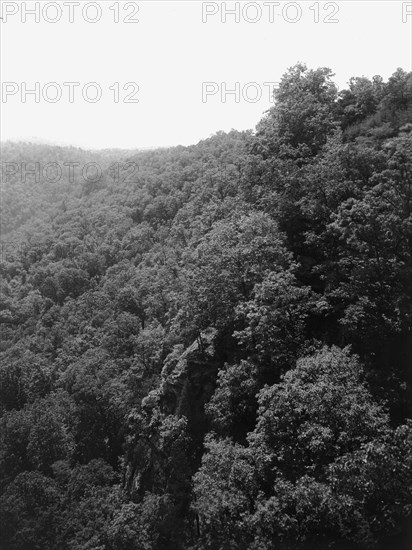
(214, 352)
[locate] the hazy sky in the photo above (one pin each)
(169, 55)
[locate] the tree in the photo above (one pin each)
(303, 116)
(231, 259)
(232, 408)
(29, 513)
(225, 489)
(276, 320)
(323, 407)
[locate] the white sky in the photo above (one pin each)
(169, 53)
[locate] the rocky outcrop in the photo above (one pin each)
(188, 380)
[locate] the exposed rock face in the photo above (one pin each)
(187, 378)
(187, 382)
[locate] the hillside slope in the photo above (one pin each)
(209, 346)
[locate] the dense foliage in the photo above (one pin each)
(209, 346)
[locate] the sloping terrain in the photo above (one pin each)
(209, 346)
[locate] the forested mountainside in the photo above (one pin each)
(209, 347)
